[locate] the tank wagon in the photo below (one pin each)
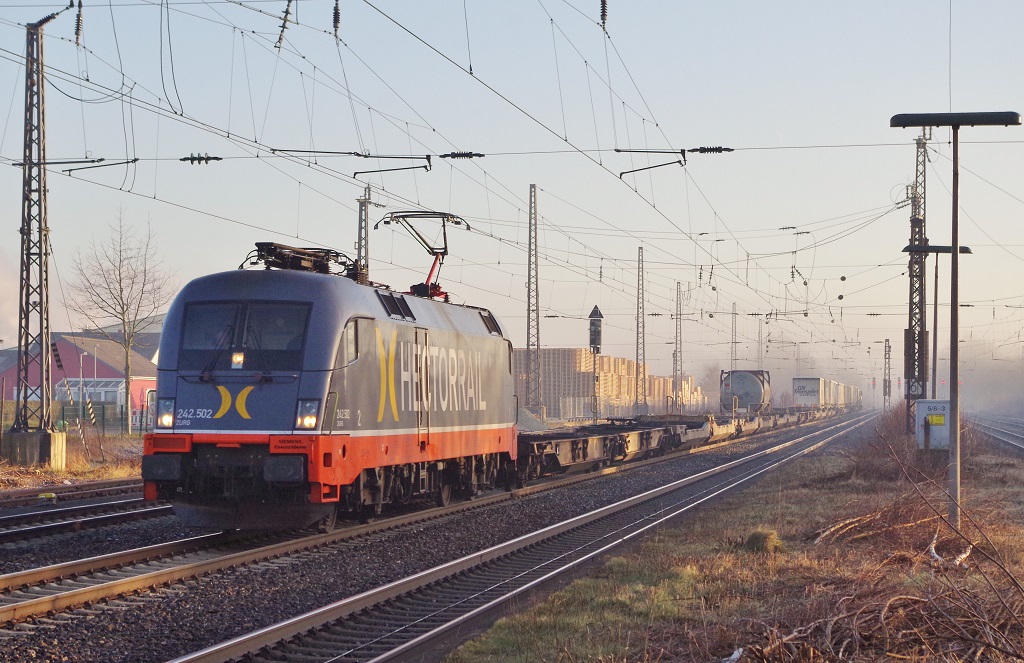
(289, 394)
(746, 391)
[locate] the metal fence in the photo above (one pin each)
(109, 418)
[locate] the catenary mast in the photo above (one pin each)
(640, 405)
(533, 378)
(32, 411)
(915, 343)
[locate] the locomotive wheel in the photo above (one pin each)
(444, 494)
(328, 522)
(366, 513)
(405, 488)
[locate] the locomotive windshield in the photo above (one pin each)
(269, 335)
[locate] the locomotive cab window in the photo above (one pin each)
(259, 336)
(275, 335)
(208, 334)
(209, 326)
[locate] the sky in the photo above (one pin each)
(800, 226)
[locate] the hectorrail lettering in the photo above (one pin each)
(438, 379)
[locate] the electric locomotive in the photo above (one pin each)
(290, 394)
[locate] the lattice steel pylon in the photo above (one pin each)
(887, 380)
(640, 405)
(32, 410)
(363, 236)
(733, 341)
(915, 340)
(677, 352)
(760, 343)
(534, 398)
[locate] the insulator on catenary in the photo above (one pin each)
(710, 150)
(200, 158)
(461, 155)
(604, 12)
(78, 25)
(337, 17)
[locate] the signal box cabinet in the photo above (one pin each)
(931, 419)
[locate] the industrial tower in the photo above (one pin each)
(915, 339)
(533, 382)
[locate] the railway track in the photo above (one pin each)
(34, 524)
(1008, 431)
(56, 588)
(26, 497)
(407, 618)
(45, 590)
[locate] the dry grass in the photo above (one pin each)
(845, 557)
(107, 457)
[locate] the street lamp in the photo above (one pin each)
(930, 248)
(955, 121)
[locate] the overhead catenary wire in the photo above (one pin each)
(719, 260)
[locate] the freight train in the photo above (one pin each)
(823, 394)
(750, 392)
(290, 395)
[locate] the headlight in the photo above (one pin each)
(306, 414)
(237, 359)
(165, 413)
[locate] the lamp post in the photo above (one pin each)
(955, 121)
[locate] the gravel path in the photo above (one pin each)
(171, 622)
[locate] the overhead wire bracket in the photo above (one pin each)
(102, 165)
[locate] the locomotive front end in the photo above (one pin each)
(287, 396)
(237, 410)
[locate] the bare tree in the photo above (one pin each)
(118, 285)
